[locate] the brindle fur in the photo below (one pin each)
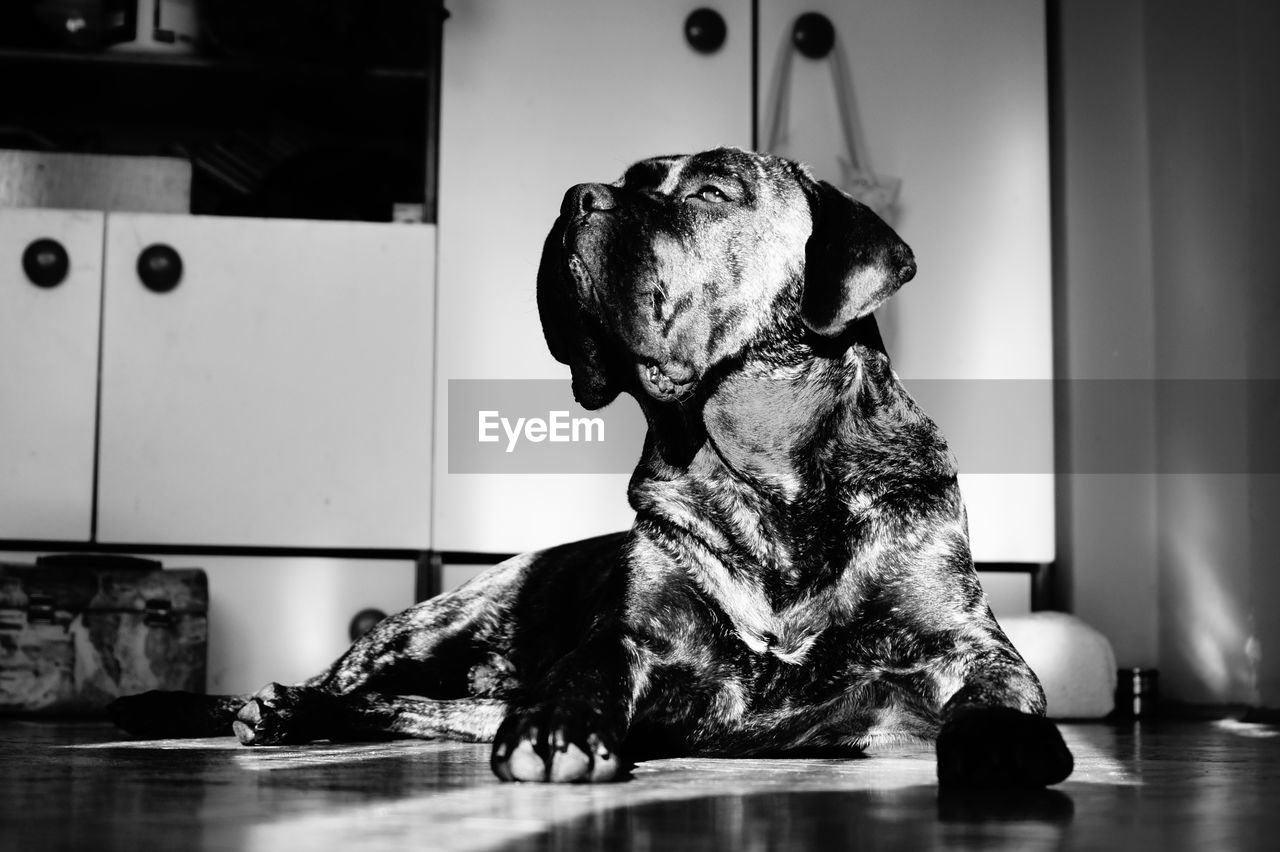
(798, 575)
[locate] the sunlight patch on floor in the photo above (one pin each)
(208, 743)
(1098, 764)
(1253, 730)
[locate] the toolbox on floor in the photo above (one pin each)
(77, 631)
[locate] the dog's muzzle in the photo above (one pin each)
(663, 382)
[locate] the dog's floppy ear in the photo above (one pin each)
(570, 335)
(853, 261)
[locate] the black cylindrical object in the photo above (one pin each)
(363, 621)
(1137, 693)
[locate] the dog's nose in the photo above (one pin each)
(587, 198)
(904, 263)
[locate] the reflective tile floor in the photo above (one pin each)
(1202, 786)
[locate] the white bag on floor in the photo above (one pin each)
(1075, 663)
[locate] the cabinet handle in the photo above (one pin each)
(159, 268)
(813, 34)
(705, 30)
(363, 621)
(46, 263)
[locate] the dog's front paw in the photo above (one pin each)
(1001, 747)
(556, 743)
(278, 715)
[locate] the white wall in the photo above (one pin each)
(1105, 325)
(1168, 237)
(1260, 31)
(1209, 169)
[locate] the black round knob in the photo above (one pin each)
(813, 35)
(705, 30)
(159, 268)
(46, 263)
(363, 621)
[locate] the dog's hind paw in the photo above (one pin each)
(1001, 747)
(174, 714)
(558, 744)
(279, 715)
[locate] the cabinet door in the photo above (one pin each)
(951, 98)
(279, 395)
(538, 97)
(48, 377)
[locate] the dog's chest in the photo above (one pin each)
(787, 632)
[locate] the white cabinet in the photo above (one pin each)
(48, 376)
(537, 97)
(278, 396)
(952, 99)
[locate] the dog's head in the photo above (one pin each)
(649, 282)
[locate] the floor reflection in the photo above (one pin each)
(1202, 786)
(908, 818)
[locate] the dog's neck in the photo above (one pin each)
(772, 446)
(776, 417)
(786, 430)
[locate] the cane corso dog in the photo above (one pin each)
(798, 576)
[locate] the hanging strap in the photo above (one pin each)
(879, 192)
(779, 107)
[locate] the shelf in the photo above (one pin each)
(72, 88)
(247, 126)
(158, 60)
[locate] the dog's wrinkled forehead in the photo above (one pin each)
(745, 174)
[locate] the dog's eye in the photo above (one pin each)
(710, 193)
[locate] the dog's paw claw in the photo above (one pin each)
(555, 744)
(1001, 747)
